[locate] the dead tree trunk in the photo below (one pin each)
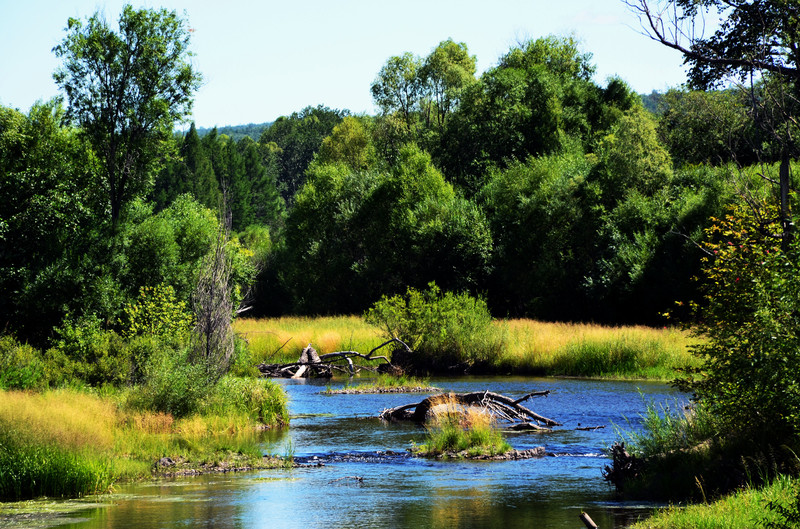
(504, 408)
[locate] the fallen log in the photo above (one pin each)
(313, 364)
(502, 407)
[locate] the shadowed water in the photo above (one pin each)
(361, 475)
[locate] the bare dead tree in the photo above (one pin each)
(213, 337)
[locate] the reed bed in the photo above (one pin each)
(531, 347)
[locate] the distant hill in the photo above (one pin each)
(237, 132)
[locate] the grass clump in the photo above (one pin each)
(385, 383)
(457, 431)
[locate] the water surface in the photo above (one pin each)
(360, 473)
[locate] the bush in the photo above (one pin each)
(443, 330)
(171, 384)
(87, 352)
(21, 366)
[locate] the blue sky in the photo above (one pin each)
(264, 59)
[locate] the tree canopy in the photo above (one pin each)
(126, 89)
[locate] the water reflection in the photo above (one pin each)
(394, 489)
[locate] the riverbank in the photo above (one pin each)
(532, 347)
(744, 509)
(73, 442)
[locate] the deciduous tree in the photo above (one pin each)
(126, 89)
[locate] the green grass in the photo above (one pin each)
(746, 509)
(461, 432)
(531, 347)
(72, 442)
(384, 384)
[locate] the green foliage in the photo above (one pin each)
(157, 312)
(90, 353)
(21, 366)
(171, 383)
(145, 79)
(443, 330)
(749, 319)
(537, 101)
(544, 221)
(708, 127)
(788, 513)
(294, 140)
(381, 231)
(168, 248)
(350, 144)
(261, 400)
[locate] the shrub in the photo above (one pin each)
(171, 384)
(443, 330)
(91, 354)
(21, 366)
(158, 312)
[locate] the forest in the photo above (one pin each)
(548, 194)
(129, 243)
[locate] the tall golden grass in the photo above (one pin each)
(583, 349)
(277, 340)
(78, 442)
(532, 347)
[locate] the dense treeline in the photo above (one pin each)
(550, 195)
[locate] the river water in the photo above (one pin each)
(361, 475)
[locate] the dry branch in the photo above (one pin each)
(311, 363)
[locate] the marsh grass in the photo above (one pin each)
(458, 431)
(71, 442)
(745, 509)
(590, 350)
(281, 340)
(385, 383)
(531, 347)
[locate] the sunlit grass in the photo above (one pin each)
(742, 510)
(461, 431)
(280, 340)
(532, 347)
(70, 442)
(384, 383)
(579, 349)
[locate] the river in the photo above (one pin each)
(361, 475)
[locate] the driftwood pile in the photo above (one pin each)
(312, 364)
(502, 407)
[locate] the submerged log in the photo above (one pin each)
(502, 407)
(312, 364)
